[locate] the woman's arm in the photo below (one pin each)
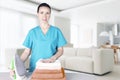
(58, 54)
(54, 57)
(25, 54)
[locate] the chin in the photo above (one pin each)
(45, 21)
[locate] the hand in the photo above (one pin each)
(50, 60)
(12, 73)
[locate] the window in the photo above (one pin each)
(14, 26)
(83, 36)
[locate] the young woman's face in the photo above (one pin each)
(44, 14)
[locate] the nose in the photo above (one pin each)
(44, 15)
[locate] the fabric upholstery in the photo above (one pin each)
(90, 60)
(70, 51)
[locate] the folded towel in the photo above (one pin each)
(43, 71)
(48, 76)
(51, 79)
(50, 66)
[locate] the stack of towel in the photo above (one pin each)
(48, 71)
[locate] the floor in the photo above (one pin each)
(114, 75)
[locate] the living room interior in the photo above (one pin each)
(88, 26)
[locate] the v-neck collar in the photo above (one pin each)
(43, 32)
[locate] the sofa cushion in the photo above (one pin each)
(85, 51)
(84, 64)
(69, 51)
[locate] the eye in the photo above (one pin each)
(48, 13)
(41, 12)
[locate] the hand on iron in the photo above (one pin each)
(12, 73)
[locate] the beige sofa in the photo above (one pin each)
(90, 60)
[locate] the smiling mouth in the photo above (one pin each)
(44, 19)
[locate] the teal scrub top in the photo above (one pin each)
(42, 45)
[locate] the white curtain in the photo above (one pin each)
(14, 26)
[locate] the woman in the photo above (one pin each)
(44, 41)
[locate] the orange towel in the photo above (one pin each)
(48, 76)
(50, 79)
(43, 76)
(43, 71)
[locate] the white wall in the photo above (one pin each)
(105, 11)
(64, 25)
(89, 15)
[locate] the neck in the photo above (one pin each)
(44, 26)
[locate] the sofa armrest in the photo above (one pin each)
(62, 60)
(103, 61)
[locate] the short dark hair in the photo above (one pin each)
(43, 5)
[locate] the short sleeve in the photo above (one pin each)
(28, 40)
(61, 39)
